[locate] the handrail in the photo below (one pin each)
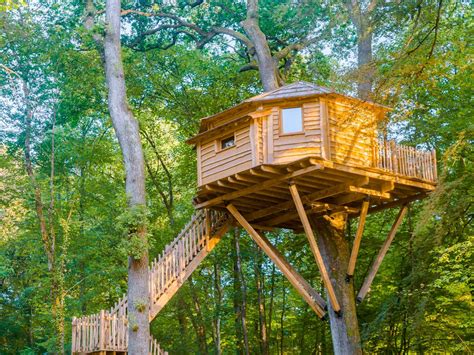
(108, 330)
(405, 160)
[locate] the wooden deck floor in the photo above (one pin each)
(262, 193)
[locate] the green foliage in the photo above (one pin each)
(421, 299)
(133, 223)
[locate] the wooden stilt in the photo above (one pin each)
(357, 239)
(314, 247)
(375, 266)
(314, 300)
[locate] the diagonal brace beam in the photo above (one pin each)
(375, 266)
(315, 301)
(357, 239)
(314, 247)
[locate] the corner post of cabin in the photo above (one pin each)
(314, 246)
(383, 251)
(357, 240)
(314, 300)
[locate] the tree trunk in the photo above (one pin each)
(364, 62)
(335, 252)
(127, 131)
(262, 322)
(198, 322)
(267, 65)
(240, 292)
(218, 300)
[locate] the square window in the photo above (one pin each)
(227, 142)
(291, 120)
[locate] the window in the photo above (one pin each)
(291, 120)
(228, 142)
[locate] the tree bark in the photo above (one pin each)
(127, 131)
(239, 297)
(335, 252)
(361, 19)
(262, 322)
(267, 65)
(218, 300)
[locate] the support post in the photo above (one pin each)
(375, 266)
(357, 239)
(314, 247)
(314, 300)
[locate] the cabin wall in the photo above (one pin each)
(352, 131)
(284, 148)
(215, 163)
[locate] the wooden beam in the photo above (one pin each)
(257, 187)
(310, 198)
(357, 239)
(370, 192)
(315, 301)
(398, 202)
(314, 247)
(375, 266)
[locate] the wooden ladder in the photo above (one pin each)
(107, 330)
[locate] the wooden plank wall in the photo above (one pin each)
(216, 164)
(292, 147)
(352, 133)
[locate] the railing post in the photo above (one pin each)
(74, 331)
(208, 228)
(102, 331)
(434, 165)
(394, 157)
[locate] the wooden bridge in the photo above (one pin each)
(107, 330)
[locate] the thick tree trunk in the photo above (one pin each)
(267, 65)
(361, 18)
(335, 251)
(364, 62)
(127, 131)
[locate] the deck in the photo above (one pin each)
(399, 174)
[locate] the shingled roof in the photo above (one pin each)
(300, 89)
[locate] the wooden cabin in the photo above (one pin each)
(298, 125)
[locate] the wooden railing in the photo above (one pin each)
(405, 160)
(108, 329)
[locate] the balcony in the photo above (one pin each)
(405, 161)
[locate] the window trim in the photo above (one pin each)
(220, 140)
(280, 123)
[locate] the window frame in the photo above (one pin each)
(220, 140)
(281, 132)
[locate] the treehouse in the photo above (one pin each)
(326, 143)
(289, 158)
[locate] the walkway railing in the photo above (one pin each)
(405, 160)
(108, 329)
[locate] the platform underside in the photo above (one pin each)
(262, 193)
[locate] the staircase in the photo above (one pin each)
(107, 330)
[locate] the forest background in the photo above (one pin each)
(62, 251)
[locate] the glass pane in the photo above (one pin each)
(227, 142)
(292, 120)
